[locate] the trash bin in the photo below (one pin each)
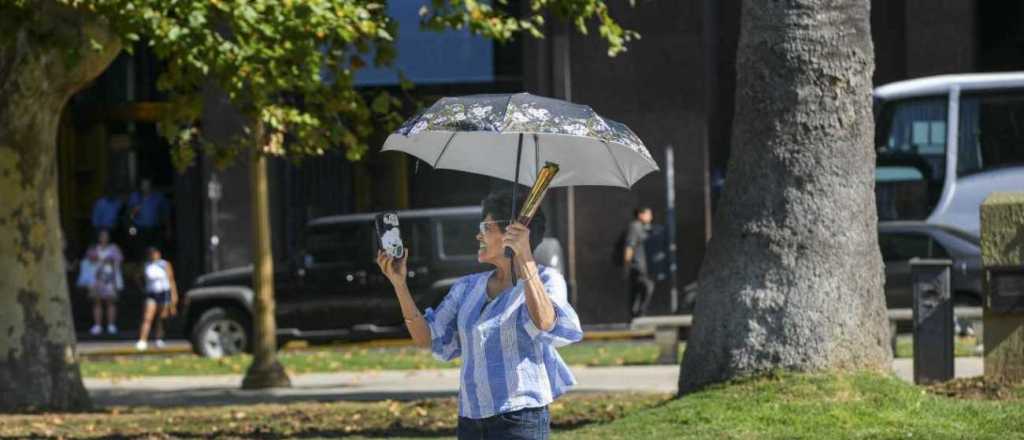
(933, 321)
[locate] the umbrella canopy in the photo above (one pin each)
(483, 134)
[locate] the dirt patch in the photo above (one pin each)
(977, 388)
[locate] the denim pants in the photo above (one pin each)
(525, 424)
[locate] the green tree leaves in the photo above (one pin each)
(289, 64)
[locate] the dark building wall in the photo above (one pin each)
(675, 86)
(1000, 36)
(659, 89)
(888, 32)
(940, 36)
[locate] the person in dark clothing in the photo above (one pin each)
(106, 211)
(149, 213)
(641, 286)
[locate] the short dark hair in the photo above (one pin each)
(639, 209)
(499, 206)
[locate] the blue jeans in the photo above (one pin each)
(526, 424)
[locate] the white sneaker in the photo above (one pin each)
(96, 330)
(112, 329)
(141, 345)
(160, 343)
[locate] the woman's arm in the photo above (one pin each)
(538, 302)
(413, 319)
(395, 271)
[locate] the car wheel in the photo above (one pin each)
(221, 332)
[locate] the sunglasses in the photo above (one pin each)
(483, 225)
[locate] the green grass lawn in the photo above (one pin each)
(961, 346)
(346, 358)
(785, 406)
(863, 406)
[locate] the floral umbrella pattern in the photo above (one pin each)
(521, 113)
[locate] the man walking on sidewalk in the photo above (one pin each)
(641, 286)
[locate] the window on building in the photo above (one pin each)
(430, 57)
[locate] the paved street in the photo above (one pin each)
(379, 385)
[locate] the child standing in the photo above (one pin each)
(161, 297)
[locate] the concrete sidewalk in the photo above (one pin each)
(380, 385)
(374, 385)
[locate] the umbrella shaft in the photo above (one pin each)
(515, 186)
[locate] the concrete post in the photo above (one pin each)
(1002, 253)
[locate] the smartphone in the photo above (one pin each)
(389, 237)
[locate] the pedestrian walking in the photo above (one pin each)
(161, 298)
(505, 329)
(641, 286)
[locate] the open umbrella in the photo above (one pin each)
(496, 135)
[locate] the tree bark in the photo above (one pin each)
(265, 371)
(793, 277)
(45, 57)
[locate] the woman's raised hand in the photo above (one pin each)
(517, 237)
(392, 268)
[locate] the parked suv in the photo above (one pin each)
(900, 241)
(332, 289)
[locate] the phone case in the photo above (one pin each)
(389, 236)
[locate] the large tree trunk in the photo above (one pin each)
(266, 371)
(793, 277)
(45, 57)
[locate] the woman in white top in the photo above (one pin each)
(161, 297)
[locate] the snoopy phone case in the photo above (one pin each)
(389, 236)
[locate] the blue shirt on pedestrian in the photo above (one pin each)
(508, 363)
(104, 212)
(152, 209)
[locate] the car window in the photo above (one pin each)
(991, 134)
(416, 238)
(458, 237)
(339, 244)
(904, 246)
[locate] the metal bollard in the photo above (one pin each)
(933, 321)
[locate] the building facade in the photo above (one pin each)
(674, 88)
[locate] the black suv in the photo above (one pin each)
(333, 289)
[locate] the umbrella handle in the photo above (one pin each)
(533, 201)
(509, 253)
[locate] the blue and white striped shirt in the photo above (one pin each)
(508, 363)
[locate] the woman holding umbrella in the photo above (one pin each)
(504, 326)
